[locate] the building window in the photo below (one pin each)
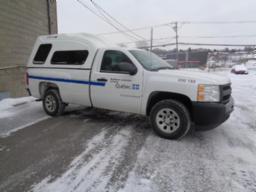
(77, 57)
(42, 53)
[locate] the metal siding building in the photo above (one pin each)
(20, 24)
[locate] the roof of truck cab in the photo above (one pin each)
(86, 38)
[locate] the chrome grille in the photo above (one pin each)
(225, 93)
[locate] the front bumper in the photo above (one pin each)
(210, 115)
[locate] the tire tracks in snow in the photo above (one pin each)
(102, 166)
(193, 164)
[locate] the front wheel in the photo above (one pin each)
(170, 119)
(52, 103)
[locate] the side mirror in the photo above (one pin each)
(128, 67)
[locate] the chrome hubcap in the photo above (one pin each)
(167, 120)
(50, 103)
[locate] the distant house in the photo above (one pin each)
(21, 22)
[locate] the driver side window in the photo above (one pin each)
(112, 62)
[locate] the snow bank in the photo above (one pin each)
(6, 104)
(18, 113)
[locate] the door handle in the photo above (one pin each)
(102, 80)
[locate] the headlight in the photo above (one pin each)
(208, 93)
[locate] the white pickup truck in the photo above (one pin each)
(82, 69)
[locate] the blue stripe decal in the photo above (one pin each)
(68, 80)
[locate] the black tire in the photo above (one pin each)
(176, 125)
(58, 106)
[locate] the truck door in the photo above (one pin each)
(116, 89)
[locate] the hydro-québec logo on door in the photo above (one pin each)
(124, 84)
(135, 86)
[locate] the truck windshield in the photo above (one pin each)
(150, 61)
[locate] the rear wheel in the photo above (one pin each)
(52, 103)
(170, 119)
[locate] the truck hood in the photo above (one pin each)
(198, 76)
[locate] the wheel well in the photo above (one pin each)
(155, 97)
(44, 86)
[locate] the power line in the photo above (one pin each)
(103, 14)
(115, 20)
(217, 44)
(183, 23)
(109, 20)
(219, 36)
(219, 22)
(202, 36)
(204, 44)
(115, 32)
(103, 18)
(87, 7)
(148, 40)
(159, 45)
(137, 29)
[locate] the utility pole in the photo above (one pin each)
(151, 39)
(175, 28)
(186, 58)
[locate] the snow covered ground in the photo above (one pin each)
(16, 114)
(125, 156)
(223, 159)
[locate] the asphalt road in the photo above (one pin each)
(49, 146)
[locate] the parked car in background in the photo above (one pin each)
(239, 69)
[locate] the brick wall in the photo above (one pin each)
(21, 22)
(13, 81)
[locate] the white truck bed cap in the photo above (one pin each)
(89, 39)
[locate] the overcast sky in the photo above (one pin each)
(73, 17)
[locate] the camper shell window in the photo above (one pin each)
(77, 57)
(42, 53)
